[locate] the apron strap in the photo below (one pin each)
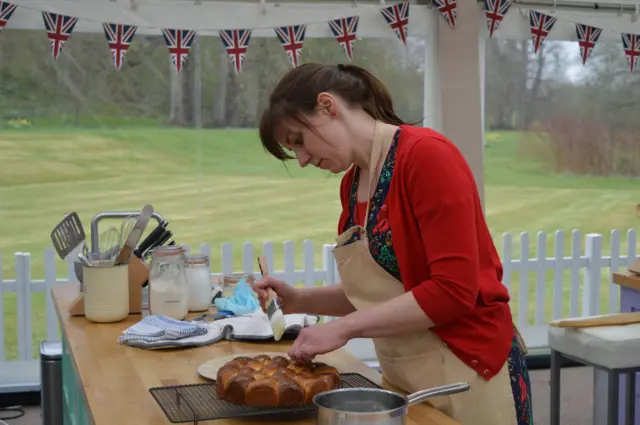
(376, 153)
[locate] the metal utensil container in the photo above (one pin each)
(372, 406)
(168, 288)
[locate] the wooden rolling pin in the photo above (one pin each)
(618, 319)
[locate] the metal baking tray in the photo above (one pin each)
(199, 402)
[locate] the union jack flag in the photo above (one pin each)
(6, 10)
(119, 38)
(397, 16)
(292, 39)
(178, 42)
(236, 42)
(344, 30)
(448, 10)
(631, 46)
(587, 38)
(495, 11)
(59, 29)
(540, 25)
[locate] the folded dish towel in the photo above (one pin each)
(161, 328)
(253, 327)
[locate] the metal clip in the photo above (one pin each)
(636, 13)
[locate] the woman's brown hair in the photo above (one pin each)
(297, 93)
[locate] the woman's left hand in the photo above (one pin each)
(318, 339)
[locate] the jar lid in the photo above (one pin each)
(167, 251)
(197, 259)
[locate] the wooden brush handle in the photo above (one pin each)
(262, 264)
(271, 296)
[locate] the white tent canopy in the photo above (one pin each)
(208, 16)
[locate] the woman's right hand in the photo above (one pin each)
(288, 296)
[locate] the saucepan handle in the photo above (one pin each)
(442, 390)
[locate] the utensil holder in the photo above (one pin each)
(106, 293)
(138, 273)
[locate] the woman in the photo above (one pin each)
(424, 279)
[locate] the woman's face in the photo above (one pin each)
(323, 142)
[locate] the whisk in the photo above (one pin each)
(109, 244)
(126, 227)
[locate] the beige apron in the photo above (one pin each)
(413, 362)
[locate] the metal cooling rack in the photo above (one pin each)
(199, 402)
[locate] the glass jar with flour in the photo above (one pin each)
(168, 289)
(198, 274)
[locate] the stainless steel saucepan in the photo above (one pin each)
(372, 406)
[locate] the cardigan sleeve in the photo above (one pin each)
(444, 200)
(345, 186)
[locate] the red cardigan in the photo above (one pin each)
(444, 249)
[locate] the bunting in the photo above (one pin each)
(448, 10)
(59, 29)
(178, 42)
(631, 46)
(540, 25)
(587, 38)
(236, 42)
(292, 39)
(397, 16)
(495, 11)
(344, 30)
(6, 10)
(119, 38)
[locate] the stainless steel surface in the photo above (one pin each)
(109, 244)
(126, 228)
(132, 239)
(51, 383)
(95, 221)
(84, 260)
(449, 389)
(68, 235)
(371, 406)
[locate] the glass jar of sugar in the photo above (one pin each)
(168, 289)
(198, 274)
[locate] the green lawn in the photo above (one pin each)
(237, 193)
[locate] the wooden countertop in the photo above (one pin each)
(116, 378)
(627, 279)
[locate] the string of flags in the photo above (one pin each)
(541, 24)
(236, 41)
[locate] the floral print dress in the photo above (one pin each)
(381, 248)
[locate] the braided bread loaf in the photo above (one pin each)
(263, 381)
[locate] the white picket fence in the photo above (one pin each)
(581, 280)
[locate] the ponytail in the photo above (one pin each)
(381, 105)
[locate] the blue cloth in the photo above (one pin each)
(243, 300)
(160, 327)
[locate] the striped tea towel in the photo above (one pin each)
(160, 328)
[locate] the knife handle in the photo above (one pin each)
(151, 238)
(166, 235)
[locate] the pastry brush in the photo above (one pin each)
(273, 308)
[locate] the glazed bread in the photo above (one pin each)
(263, 381)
